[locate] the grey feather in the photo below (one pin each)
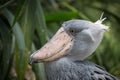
(65, 69)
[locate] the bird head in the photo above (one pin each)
(76, 39)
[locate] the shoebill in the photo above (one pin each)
(64, 55)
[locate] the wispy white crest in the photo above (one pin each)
(101, 19)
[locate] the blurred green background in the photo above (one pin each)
(26, 25)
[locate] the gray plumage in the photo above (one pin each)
(64, 54)
(64, 69)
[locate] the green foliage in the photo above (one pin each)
(24, 27)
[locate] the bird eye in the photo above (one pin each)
(72, 31)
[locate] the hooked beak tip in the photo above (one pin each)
(31, 60)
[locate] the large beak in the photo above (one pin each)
(56, 48)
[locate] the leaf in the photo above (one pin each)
(33, 19)
(21, 56)
(6, 4)
(20, 9)
(39, 21)
(5, 56)
(75, 10)
(60, 16)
